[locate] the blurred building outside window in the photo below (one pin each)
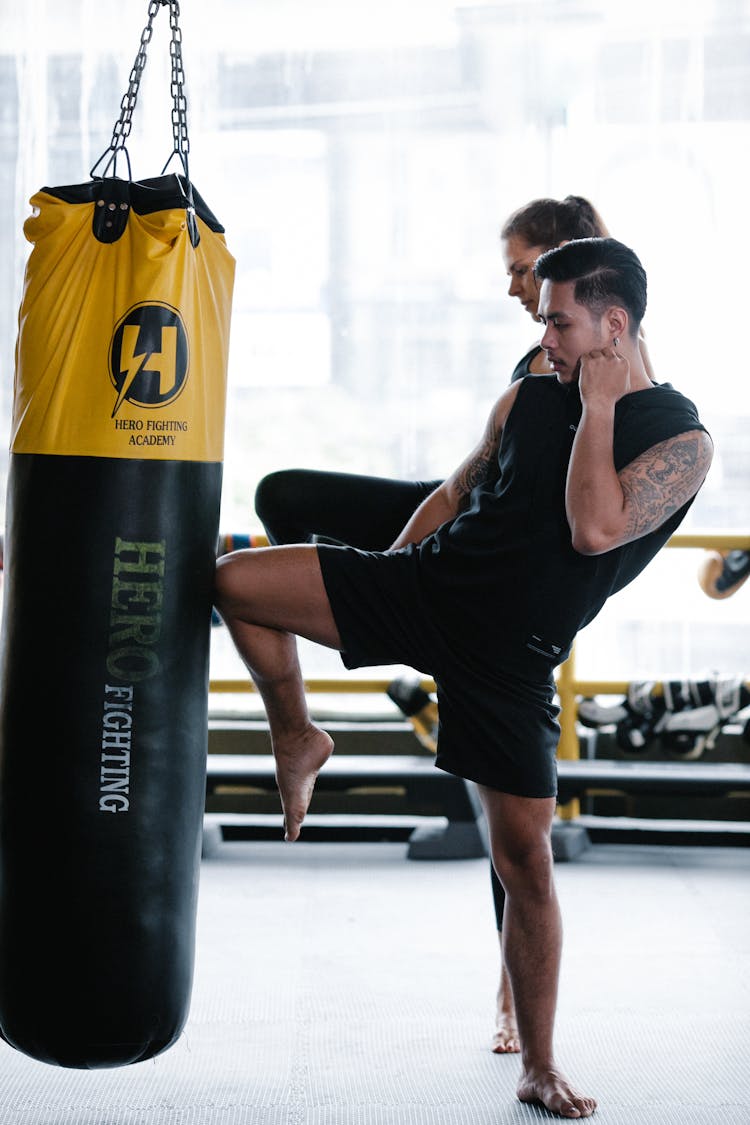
(362, 158)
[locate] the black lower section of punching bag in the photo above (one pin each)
(103, 720)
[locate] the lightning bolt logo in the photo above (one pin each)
(133, 366)
(149, 356)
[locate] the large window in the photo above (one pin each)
(362, 157)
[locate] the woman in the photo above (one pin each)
(297, 505)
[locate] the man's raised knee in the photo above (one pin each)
(227, 583)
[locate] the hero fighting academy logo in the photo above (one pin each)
(148, 356)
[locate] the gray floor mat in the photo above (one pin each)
(343, 985)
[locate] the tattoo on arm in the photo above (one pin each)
(479, 465)
(661, 480)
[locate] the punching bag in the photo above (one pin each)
(112, 522)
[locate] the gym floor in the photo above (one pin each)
(341, 983)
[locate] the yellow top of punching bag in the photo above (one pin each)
(122, 345)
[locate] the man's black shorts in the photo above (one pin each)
(495, 728)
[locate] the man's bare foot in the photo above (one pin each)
(505, 1041)
(551, 1089)
(298, 762)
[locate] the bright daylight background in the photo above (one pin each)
(362, 156)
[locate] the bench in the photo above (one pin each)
(716, 779)
(411, 786)
(385, 785)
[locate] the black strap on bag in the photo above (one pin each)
(113, 206)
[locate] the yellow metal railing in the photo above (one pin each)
(569, 688)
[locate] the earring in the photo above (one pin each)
(616, 341)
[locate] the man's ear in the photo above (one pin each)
(617, 320)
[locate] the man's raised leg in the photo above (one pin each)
(267, 598)
(522, 854)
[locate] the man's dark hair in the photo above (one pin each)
(605, 272)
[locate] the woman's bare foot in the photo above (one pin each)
(298, 762)
(505, 1041)
(551, 1089)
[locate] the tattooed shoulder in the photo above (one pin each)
(658, 482)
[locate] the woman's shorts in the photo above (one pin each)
(494, 728)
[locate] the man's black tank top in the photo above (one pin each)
(502, 578)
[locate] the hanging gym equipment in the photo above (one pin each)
(112, 521)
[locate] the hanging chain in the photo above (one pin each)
(124, 123)
(177, 88)
(127, 105)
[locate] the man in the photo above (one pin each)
(580, 478)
